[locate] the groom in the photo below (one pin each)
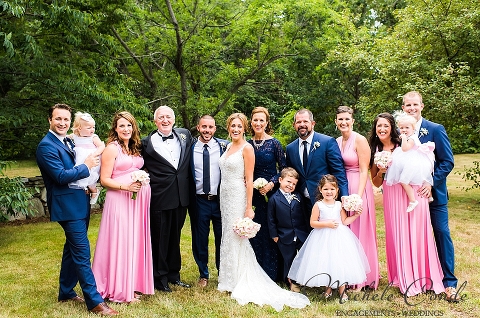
(430, 131)
(314, 155)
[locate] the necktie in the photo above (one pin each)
(206, 170)
(68, 143)
(305, 155)
(167, 137)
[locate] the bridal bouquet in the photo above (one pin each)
(139, 176)
(383, 159)
(246, 228)
(352, 202)
(260, 183)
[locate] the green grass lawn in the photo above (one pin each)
(31, 254)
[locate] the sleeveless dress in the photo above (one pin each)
(239, 271)
(365, 226)
(267, 158)
(83, 147)
(123, 255)
(411, 254)
(414, 166)
(329, 254)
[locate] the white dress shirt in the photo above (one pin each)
(214, 150)
(169, 149)
(300, 153)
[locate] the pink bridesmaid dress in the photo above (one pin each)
(364, 227)
(122, 263)
(412, 259)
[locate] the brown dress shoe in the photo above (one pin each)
(102, 309)
(203, 282)
(76, 299)
(451, 294)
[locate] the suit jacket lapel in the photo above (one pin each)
(62, 145)
(283, 199)
(183, 145)
(151, 151)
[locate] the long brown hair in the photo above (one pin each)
(374, 141)
(328, 178)
(134, 144)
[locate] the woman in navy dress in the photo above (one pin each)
(269, 161)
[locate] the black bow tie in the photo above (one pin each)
(167, 137)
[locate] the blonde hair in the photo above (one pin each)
(240, 116)
(403, 117)
(81, 118)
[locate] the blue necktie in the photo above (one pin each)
(305, 155)
(206, 170)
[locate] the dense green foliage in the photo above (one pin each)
(204, 56)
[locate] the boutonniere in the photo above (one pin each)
(294, 197)
(316, 145)
(183, 137)
(223, 145)
(423, 132)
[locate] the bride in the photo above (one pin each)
(239, 271)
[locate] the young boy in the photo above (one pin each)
(286, 222)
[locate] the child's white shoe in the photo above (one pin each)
(94, 197)
(412, 205)
(430, 200)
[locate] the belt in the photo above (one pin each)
(208, 197)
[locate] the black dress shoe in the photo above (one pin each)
(181, 284)
(162, 288)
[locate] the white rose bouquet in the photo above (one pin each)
(383, 159)
(246, 228)
(139, 176)
(352, 202)
(260, 183)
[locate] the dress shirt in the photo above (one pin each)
(169, 149)
(287, 196)
(214, 151)
(300, 153)
(417, 127)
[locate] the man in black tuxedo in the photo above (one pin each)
(166, 152)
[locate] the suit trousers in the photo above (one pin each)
(441, 231)
(76, 265)
(288, 251)
(206, 211)
(165, 231)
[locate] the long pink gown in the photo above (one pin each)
(122, 263)
(365, 226)
(412, 259)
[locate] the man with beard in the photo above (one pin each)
(204, 204)
(314, 155)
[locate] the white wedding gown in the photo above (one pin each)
(239, 271)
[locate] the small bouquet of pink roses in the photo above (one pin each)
(352, 203)
(142, 177)
(383, 159)
(246, 228)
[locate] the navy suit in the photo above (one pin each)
(71, 209)
(430, 131)
(287, 221)
(201, 211)
(325, 158)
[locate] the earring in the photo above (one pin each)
(336, 127)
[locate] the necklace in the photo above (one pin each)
(258, 145)
(329, 205)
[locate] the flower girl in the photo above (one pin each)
(412, 163)
(332, 254)
(86, 142)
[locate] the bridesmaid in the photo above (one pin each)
(123, 256)
(356, 157)
(269, 161)
(412, 259)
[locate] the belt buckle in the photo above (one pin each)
(210, 197)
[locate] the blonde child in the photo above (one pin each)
(412, 163)
(332, 254)
(86, 142)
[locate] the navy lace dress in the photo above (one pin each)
(269, 161)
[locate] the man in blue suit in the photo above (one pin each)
(314, 155)
(429, 131)
(70, 208)
(204, 204)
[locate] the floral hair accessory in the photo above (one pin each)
(87, 117)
